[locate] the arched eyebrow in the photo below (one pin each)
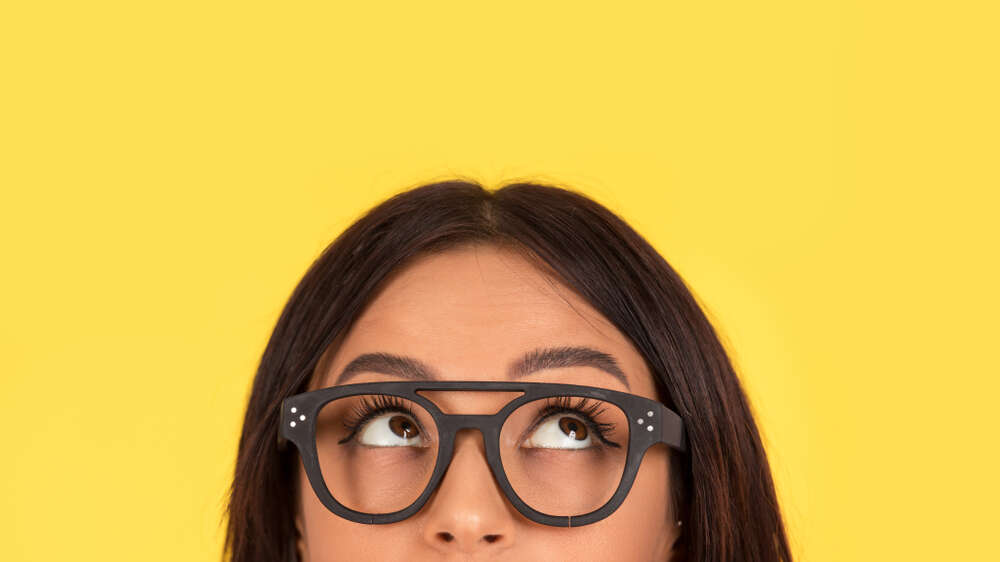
(532, 361)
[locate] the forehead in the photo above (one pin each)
(469, 313)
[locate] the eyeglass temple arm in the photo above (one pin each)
(282, 440)
(672, 429)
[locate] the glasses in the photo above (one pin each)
(564, 455)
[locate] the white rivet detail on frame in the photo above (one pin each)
(649, 428)
(649, 414)
(302, 417)
(292, 424)
(294, 410)
(640, 420)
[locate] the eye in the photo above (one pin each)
(391, 430)
(561, 431)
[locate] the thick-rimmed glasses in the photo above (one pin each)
(564, 455)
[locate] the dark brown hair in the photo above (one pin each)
(723, 486)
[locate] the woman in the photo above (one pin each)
(611, 425)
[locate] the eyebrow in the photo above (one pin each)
(533, 361)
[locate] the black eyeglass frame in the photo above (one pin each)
(298, 425)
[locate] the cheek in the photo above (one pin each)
(331, 538)
(650, 494)
(643, 522)
(636, 531)
(641, 529)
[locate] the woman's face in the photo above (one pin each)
(467, 314)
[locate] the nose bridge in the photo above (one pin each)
(463, 440)
(467, 512)
(482, 422)
(463, 424)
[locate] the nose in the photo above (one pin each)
(468, 513)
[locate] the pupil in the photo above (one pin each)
(573, 428)
(402, 427)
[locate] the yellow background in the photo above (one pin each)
(824, 175)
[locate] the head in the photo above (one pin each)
(466, 283)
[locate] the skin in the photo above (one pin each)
(467, 313)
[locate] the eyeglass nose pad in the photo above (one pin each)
(471, 458)
(459, 448)
(462, 438)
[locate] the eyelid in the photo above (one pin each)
(371, 429)
(584, 409)
(368, 411)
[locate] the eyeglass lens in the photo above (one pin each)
(563, 455)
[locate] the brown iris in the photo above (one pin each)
(403, 427)
(573, 428)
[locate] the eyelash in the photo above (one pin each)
(368, 410)
(589, 411)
